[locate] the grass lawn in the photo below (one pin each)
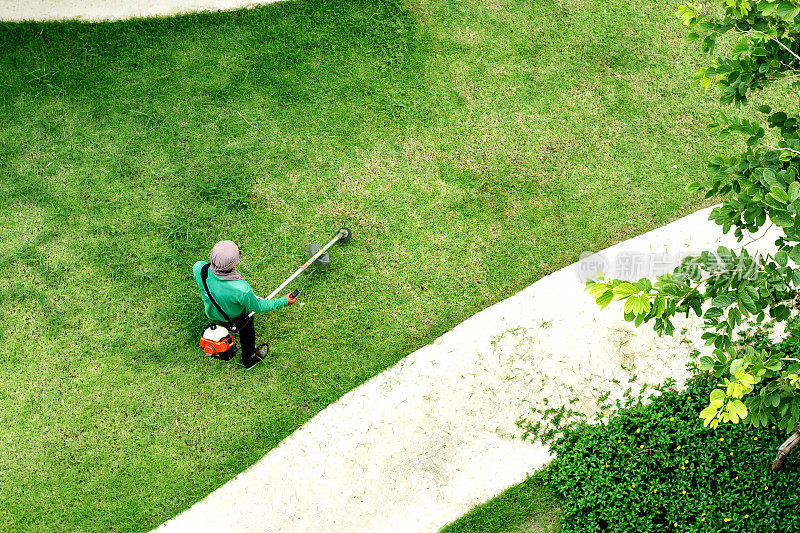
(472, 146)
(529, 507)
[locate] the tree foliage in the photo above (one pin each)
(760, 43)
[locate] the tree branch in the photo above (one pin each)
(777, 41)
(782, 149)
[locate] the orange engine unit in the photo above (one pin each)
(217, 342)
(213, 348)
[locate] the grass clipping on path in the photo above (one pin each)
(472, 147)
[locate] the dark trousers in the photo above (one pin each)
(247, 337)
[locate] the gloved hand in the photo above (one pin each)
(291, 298)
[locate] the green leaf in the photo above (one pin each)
(696, 306)
(782, 218)
(774, 365)
(708, 414)
(753, 292)
(785, 10)
(780, 312)
(604, 299)
(779, 194)
(740, 47)
(623, 290)
(659, 305)
(770, 177)
(643, 304)
(716, 404)
(717, 394)
(778, 117)
(708, 44)
(764, 109)
(794, 254)
(782, 258)
(706, 363)
(794, 191)
(734, 316)
(748, 303)
(775, 399)
(637, 304)
(630, 305)
(596, 289)
(723, 300)
(731, 414)
(694, 186)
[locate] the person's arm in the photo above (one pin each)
(254, 304)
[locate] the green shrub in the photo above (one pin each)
(655, 467)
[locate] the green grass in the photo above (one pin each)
(472, 147)
(528, 507)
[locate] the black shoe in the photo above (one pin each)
(260, 355)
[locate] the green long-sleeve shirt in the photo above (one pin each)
(233, 296)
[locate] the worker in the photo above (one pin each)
(231, 298)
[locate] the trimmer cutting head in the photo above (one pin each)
(346, 234)
(323, 262)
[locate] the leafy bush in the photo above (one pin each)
(655, 467)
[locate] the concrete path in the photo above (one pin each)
(420, 444)
(99, 10)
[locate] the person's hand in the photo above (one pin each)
(291, 299)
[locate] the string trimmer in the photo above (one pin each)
(216, 340)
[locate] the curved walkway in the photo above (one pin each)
(423, 442)
(101, 10)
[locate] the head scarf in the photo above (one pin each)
(224, 258)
